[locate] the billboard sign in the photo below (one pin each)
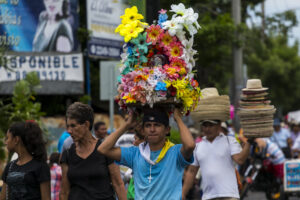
(38, 26)
(103, 17)
(60, 73)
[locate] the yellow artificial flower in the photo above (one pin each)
(182, 71)
(130, 31)
(131, 14)
(129, 98)
(119, 28)
(168, 83)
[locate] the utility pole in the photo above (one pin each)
(263, 20)
(237, 62)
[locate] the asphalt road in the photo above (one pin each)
(261, 196)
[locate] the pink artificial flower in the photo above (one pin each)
(154, 33)
(175, 50)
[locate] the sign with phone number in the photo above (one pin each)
(63, 67)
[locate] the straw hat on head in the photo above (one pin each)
(212, 106)
(254, 85)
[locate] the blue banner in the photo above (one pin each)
(39, 25)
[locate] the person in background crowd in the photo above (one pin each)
(54, 32)
(28, 177)
(276, 156)
(155, 159)
(61, 140)
(100, 130)
(86, 174)
(138, 139)
(56, 176)
(295, 130)
(282, 138)
(127, 139)
(216, 153)
(67, 144)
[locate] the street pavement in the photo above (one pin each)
(261, 196)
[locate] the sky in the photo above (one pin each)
(277, 6)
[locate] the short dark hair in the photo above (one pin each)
(98, 124)
(81, 113)
(54, 158)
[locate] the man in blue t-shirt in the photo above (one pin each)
(157, 163)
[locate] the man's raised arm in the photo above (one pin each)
(108, 148)
(188, 144)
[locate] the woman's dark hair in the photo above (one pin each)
(32, 138)
(81, 113)
(65, 11)
(54, 158)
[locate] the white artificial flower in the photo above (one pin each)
(186, 17)
(124, 56)
(189, 53)
(122, 67)
(181, 35)
(174, 25)
(178, 9)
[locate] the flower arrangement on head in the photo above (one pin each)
(157, 60)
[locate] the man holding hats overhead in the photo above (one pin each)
(216, 152)
(157, 164)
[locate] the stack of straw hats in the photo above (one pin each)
(212, 106)
(255, 112)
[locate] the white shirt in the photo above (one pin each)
(296, 145)
(217, 166)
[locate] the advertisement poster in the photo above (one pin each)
(103, 17)
(292, 175)
(39, 25)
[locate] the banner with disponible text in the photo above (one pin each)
(67, 67)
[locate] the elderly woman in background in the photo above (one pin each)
(87, 174)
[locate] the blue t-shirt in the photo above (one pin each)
(165, 181)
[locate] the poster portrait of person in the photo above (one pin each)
(54, 31)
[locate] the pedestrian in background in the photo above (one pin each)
(100, 130)
(87, 174)
(217, 152)
(28, 177)
(56, 175)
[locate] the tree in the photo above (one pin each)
(274, 61)
(22, 107)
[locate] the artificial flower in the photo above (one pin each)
(154, 33)
(175, 50)
(140, 43)
(131, 14)
(161, 86)
(167, 39)
(140, 77)
(173, 26)
(177, 62)
(130, 30)
(162, 17)
(129, 98)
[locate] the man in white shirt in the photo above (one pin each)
(216, 153)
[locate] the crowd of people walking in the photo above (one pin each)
(144, 164)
